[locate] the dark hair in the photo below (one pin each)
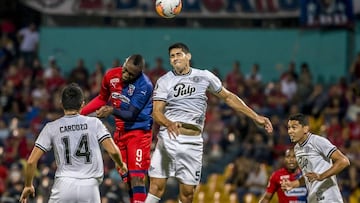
(137, 60)
(180, 45)
(72, 97)
(301, 118)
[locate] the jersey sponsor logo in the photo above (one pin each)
(76, 127)
(296, 192)
(114, 81)
(116, 95)
(131, 89)
(182, 90)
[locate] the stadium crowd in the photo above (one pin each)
(30, 95)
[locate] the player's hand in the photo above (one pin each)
(265, 123)
(173, 129)
(123, 171)
(123, 168)
(313, 176)
(26, 193)
(104, 111)
(286, 185)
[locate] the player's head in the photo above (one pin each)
(180, 57)
(72, 97)
(132, 68)
(290, 160)
(298, 127)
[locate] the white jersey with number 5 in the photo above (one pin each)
(185, 95)
(75, 140)
(314, 156)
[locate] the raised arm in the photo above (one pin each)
(240, 107)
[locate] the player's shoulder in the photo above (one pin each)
(113, 71)
(280, 171)
(145, 80)
(167, 77)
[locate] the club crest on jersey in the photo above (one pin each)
(131, 89)
(114, 81)
(182, 90)
(196, 79)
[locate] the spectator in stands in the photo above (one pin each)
(157, 71)
(254, 77)
(79, 74)
(234, 77)
(29, 42)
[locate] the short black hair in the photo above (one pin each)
(180, 45)
(72, 97)
(137, 60)
(301, 118)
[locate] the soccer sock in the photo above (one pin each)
(139, 194)
(152, 199)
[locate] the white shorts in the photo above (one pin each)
(73, 190)
(180, 158)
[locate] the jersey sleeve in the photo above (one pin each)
(44, 139)
(101, 131)
(104, 90)
(272, 184)
(324, 146)
(215, 82)
(160, 91)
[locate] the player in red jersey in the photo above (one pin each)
(291, 172)
(126, 93)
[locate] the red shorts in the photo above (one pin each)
(135, 149)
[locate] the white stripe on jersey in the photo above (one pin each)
(75, 140)
(185, 95)
(314, 156)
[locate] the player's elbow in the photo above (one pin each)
(345, 162)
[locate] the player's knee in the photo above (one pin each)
(157, 189)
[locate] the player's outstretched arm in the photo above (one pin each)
(30, 169)
(114, 153)
(240, 107)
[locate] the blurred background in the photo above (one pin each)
(279, 56)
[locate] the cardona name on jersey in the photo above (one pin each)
(76, 127)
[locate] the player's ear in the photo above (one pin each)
(188, 56)
(306, 129)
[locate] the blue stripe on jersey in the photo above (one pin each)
(40, 147)
(138, 171)
(139, 189)
(140, 95)
(104, 137)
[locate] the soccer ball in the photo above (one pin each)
(168, 8)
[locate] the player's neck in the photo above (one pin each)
(184, 71)
(71, 112)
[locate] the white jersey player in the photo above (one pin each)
(75, 140)
(318, 159)
(179, 108)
